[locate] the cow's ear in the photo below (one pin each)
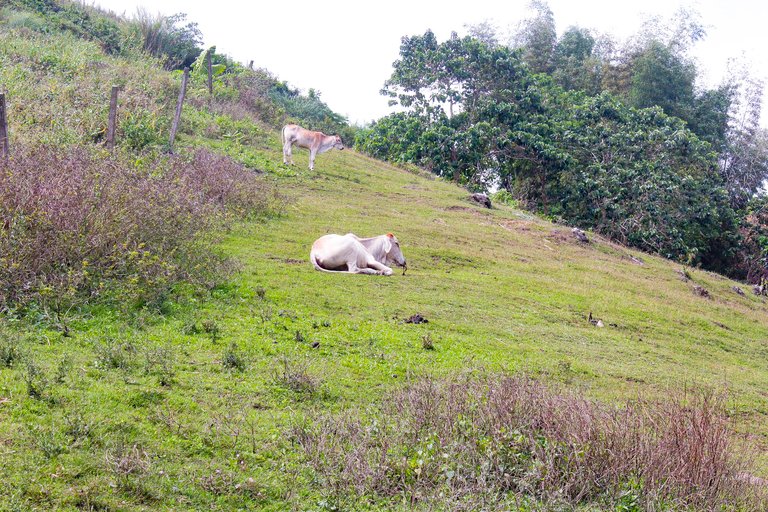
(387, 245)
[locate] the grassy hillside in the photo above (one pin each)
(196, 405)
(200, 400)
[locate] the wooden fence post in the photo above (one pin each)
(112, 117)
(177, 117)
(210, 73)
(3, 128)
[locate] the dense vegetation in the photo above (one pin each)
(82, 227)
(616, 140)
(165, 345)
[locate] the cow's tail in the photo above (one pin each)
(313, 259)
(282, 136)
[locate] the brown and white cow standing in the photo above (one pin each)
(316, 142)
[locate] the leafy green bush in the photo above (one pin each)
(140, 130)
(504, 197)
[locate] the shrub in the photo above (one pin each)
(80, 227)
(112, 353)
(35, 378)
(168, 38)
(480, 441)
(161, 362)
(504, 197)
(140, 130)
(295, 375)
(50, 442)
(10, 353)
(254, 88)
(233, 359)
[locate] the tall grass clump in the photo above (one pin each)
(77, 226)
(487, 443)
(168, 38)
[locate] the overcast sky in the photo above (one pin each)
(345, 48)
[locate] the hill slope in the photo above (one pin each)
(502, 288)
(193, 408)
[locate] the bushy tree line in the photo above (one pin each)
(616, 140)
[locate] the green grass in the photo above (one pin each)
(196, 404)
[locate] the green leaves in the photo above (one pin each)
(479, 117)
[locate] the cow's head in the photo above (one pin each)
(337, 144)
(392, 250)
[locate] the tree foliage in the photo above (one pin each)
(744, 152)
(476, 113)
(537, 37)
(619, 137)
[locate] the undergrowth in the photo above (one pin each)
(82, 226)
(489, 442)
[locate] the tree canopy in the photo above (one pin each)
(622, 143)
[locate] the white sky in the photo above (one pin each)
(345, 48)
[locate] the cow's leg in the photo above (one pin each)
(380, 268)
(287, 156)
(312, 153)
(354, 269)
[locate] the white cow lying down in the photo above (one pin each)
(350, 253)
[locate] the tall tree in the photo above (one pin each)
(485, 31)
(537, 37)
(663, 78)
(744, 160)
(574, 67)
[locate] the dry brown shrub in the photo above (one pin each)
(476, 442)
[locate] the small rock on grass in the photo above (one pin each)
(701, 291)
(416, 319)
(481, 199)
(580, 235)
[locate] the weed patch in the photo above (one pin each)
(496, 438)
(296, 376)
(233, 358)
(80, 227)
